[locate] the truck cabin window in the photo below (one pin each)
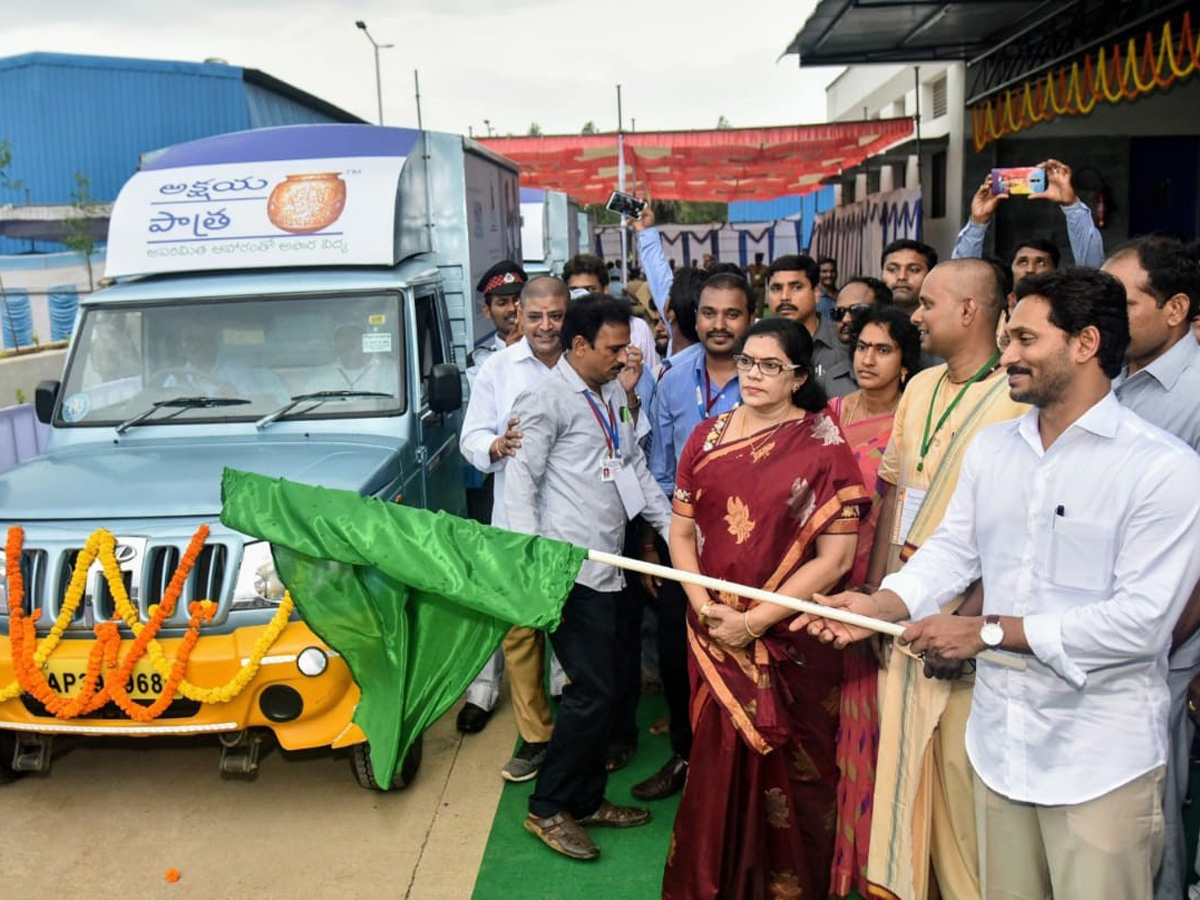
(245, 359)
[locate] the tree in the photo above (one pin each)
(8, 183)
(534, 129)
(79, 226)
(723, 122)
(589, 127)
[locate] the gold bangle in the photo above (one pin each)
(746, 622)
(708, 604)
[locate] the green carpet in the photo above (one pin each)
(517, 864)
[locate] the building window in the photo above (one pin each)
(937, 187)
(939, 98)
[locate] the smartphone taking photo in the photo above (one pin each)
(625, 204)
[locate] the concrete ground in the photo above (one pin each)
(111, 818)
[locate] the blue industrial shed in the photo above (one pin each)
(62, 114)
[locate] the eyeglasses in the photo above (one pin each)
(857, 309)
(768, 367)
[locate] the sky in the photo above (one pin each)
(512, 62)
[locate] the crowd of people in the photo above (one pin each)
(1001, 455)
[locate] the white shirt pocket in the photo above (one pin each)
(1081, 554)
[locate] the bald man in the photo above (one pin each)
(924, 813)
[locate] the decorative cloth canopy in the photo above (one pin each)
(709, 166)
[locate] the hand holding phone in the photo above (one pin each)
(625, 204)
(1014, 180)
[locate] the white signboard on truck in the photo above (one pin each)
(247, 215)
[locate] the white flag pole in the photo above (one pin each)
(894, 629)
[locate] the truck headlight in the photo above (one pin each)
(258, 585)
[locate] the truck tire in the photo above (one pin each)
(8, 743)
(406, 771)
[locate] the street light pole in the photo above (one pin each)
(378, 82)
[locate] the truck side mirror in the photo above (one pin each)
(44, 397)
(445, 388)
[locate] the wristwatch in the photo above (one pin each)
(991, 633)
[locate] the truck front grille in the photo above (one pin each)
(146, 570)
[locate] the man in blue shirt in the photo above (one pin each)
(1036, 254)
(699, 386)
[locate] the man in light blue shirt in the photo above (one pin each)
(1036, 254)
(1161, 383)
(702, 383)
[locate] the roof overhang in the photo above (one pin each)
(48, 222)
(721, 166)
(854, 32)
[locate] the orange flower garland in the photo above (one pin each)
(103, 658)
(1043, 98)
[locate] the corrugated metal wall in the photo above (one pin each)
(64, 114)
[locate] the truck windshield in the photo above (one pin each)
(263, 351)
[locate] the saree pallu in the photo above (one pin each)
(758, 811)
(858, 728)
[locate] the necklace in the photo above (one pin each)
(757, 443)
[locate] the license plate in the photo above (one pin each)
(66, 678)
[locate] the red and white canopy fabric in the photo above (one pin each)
(708, 166)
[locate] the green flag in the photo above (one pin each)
(414, 601)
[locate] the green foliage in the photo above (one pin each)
(723, 122)
(20, 397)
(589, 127)
(534, 129)
(78, 227)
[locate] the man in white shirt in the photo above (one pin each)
(1082, 520)
(490, 437)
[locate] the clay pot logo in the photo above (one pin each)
(303, 204)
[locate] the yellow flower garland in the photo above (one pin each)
(102, 545)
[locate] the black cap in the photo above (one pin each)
(505, 277)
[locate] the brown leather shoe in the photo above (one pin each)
(562, 834)
(664, 783)
(611, 816)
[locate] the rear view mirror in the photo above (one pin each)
(445, 388)
(44, 397)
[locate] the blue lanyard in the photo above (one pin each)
(705, 400)
(612, 434)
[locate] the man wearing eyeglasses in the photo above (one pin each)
(855, 298)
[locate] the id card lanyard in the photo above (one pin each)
(927, 436)
(612, 434)
(705, 399)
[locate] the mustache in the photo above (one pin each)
(726, 334)
(1018, 370)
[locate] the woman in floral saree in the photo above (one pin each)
(768, 495)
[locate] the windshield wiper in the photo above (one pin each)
(320, 397)
(180, 403)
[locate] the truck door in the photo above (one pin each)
(442, 464)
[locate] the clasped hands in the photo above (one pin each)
(725, 625)
(943, 642)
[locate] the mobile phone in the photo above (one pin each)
(1019, 180)
(625, 204)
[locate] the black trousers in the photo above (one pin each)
(628, 672)
(573, 777)
(672, 606)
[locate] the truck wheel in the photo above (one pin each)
(364, 773)
(8, 743)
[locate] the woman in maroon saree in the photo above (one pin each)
(768, 495)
